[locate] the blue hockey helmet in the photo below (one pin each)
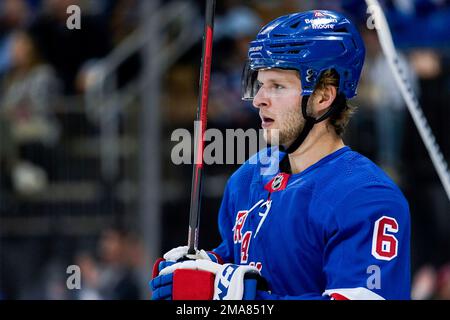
(310, 42)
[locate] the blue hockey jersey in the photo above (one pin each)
(340, 229)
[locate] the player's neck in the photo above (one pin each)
(320, 142)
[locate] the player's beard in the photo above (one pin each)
(289, 128)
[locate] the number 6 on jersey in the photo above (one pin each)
(385, 245)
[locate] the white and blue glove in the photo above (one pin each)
(162, 285)
(202, 278)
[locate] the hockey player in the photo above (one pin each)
(328, 224)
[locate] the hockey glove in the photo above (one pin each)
(162, 285)
(204, 280)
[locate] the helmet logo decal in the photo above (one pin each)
(309, 75)
(252, 49)
(321, 21)
(318, 14)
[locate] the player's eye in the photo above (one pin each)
(278, 86)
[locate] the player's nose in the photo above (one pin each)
(261, 100)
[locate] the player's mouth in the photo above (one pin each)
(266, 122)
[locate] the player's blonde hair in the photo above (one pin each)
(339, 119)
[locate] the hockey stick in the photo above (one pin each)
(202, 109)
(387, 44)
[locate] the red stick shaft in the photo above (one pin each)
(202, 111)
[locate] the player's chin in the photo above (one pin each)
(272, 136)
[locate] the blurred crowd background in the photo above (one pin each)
(86, 117)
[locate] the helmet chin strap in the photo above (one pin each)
(309, 124)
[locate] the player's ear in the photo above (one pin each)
(323, 98)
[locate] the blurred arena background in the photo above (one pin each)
(86, 118)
